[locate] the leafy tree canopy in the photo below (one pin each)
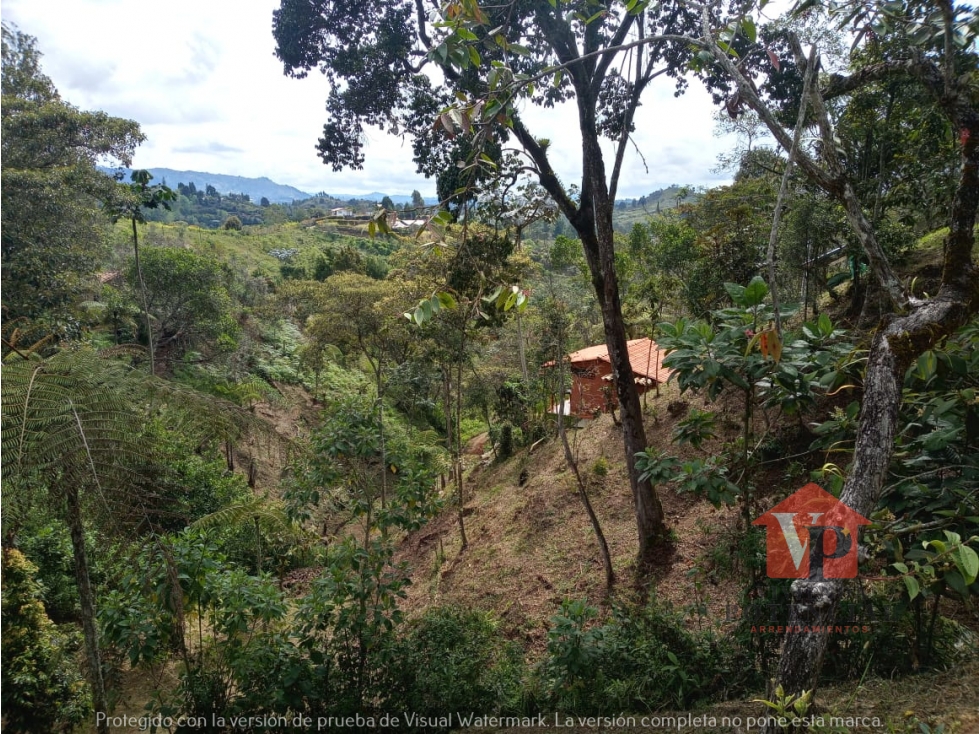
(187, 295)
(53, 229)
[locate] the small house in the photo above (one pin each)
(342, 211)
(592, 388)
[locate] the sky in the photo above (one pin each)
(201, 79)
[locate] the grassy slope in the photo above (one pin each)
(532, 546)
(250, 247)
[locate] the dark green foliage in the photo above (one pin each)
(452, 661)
(732, 224)
(644, 659)
(233, 223)
(52, 227)
(353, 255)
(187, 294)
(42, 689)
(501, 434)
(696, 428)
(48, 547)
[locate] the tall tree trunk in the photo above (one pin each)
(594, 225)
(582, 493)
(649, 511)
(894, 348)
(592, 221)
(87, 603)
(142, 292)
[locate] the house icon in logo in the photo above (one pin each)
(811, 534)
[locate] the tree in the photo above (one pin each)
(187, 295)
(417, 201)
(387, 203)
(52, 228)
(232, 223)
(135, 197)
(937, 54)
(492, 56)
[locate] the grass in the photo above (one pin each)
(250, 248)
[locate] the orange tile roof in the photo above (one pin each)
(589, 354)
(645, 357)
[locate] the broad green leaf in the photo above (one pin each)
(755, 292)
(748, 26)
(442, 218)
(967, 561)
(911, 583)
(735, 291)
(955, 580)
(927, 365)
(491, 109)
(447, 300)
(727, 48)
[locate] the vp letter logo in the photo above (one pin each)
(811, 534)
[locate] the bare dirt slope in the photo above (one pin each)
(531, 544)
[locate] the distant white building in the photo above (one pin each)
(409, 224)
(342, 211)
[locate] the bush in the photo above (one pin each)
(502, 436)
(48, 548)
(42, 690)
(643, 659)
(453, 661)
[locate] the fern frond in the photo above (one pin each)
(79, 417)
(270, 513)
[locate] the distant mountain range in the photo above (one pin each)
(277, 193)
(256, 188)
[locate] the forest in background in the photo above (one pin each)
(222, 442)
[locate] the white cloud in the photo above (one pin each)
(202, 80)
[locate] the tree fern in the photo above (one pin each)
(268, 512)
(74, 422)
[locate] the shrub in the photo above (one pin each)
(502, 436)
(643, 659)
(453, 661)
(42, 690)
(48, 549)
